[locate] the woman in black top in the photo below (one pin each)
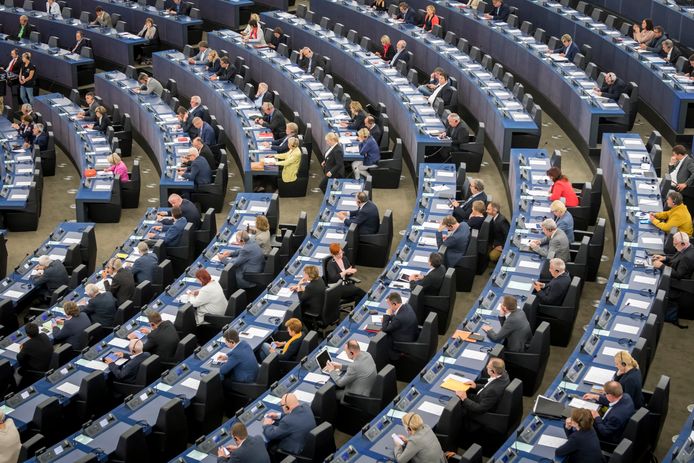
(339, 270)
(311, 291)
(629, 376)
(214, 62)
(276, 38)
(379, 5)
(476, 218)
(358, 117)
(582, 445)
(27, 79)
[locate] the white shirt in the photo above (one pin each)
(54, 9)
(434, 95)
(210, 299)
(673, 174)
(329, 151)
(10, 444)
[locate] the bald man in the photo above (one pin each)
(188, 209)
(290, 429)
(127, 372)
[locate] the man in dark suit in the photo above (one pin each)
(400, 323)
(273, 120)
(499, 12)
(162, 337)
(80, 41)
(499, 230)
(366, 216)
(205, 152)
(89, 113)
(170, 233)
(334, 161)
(187, 117)
(515, 330)
(456, 131)
(400, 54)
(407, 14)
(443, 90)
(308, 60)
(484, 395)
(432, 280)
(199, 171)
(205, 131)
(239, 364)
(50, 275)
(462, 210)
(249, 259)
(34, 354)
(188, 209)
(101, 307)
(568, 49)
(144, 266)
(71, 329)
(226, 72)
(553, 292)
(262, 95)
(681, 170)
(456, 241)
(25, 29)
(281, 145)
(682, 265)
(610, 426)
(39, 138)
(374, 129)
(122, 284)
(127, 372)
(290, 430)
(670, 52)
(612, 88)
(177, 7)
(245, 449)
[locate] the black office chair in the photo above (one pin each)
(131, 447)
(357, 410)
(238, 395)
(46, 420)
(624, 453)
(442, 303)
(496, 425)
(319, 444)
(596, 245)
(657, 403)
(582, 213)
(130, 191)
(374, 249)
(162, 277)
(386, 174)
(206, 231)
(330, 311)
(211, 195)
(472, 152)
(561, 318)
(143, 294)
(91, 400)
(472, 455)
(31, 446)
(28, 218)
(309, 343)
(529, 366)
(8, 319)
(466, 267)
(415, 355)
(594, 190)
(170, 432)
(149, 370)
(264, 278)
(7, 382)
(637, 431)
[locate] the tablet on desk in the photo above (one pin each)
(112, 357)
(323, 358)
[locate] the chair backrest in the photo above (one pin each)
(269, 370)
(320, 442)
(132, 445)
(658, 408)
(149, 370)
(623, 453)
(637, 431)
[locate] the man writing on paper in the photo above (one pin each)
(162, 337)
(366, 216)
(484, 395)
(127, 372)
(515, 330)
(554, 244)
(360, 375)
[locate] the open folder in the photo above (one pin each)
(550, 408)
(455, 385)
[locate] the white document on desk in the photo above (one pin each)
(304, 396)
(284, 292)
(118, 342)
(645, 280)
(622, 328)
(68, 388)
(520, 285)
(473, 354)
(551, 441)
(274, 313)
(580, 403)
(598, 376)
(430, 407)
(316, 378)
(191, 383)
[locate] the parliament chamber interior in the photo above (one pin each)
(348, 231)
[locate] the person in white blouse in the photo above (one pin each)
(53, 9)
(208, 299)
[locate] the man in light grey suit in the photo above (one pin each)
(555, 244)
(681, 170)
(149, 85)
(249, 258)
(360, 375)
(515, 330)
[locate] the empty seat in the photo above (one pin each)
(374, 249)
(529, 366)
(415, 355)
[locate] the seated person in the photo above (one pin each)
(369, 150)
(420, 444)
(456, 131)
(260, 233)
(127, 372)
(205, 131)
(334, 160)
(561, 188)
(500, 11)
(162, 337)
(38, 138)
(173, 232)
(80, 42)
(101, 307)
(50, 275)
(188, 210)
(612, 88)
(568, 48)
(610, 427)
(430, 19)
(379, 5)
(70, 329)
(25, 129)
(201, 56)
(515, 330)
(205, 152)
(89, 113)
(102, 19)
(499, 230)
(262, 95)
(582, 443)
(677, 215)
(554, 244)
(476, 218)
(359, 376)
(311, 290)
(149, 85)
(122, 284)
(102, 122)
(386, 51)
(374, 129)
(629, 376)
(289, 431)
(563, 219)
(144, 266)
(248, 259)
(214, 62)
(255, 35)
(289, 349)
(670, 52)
(553, 292)
(462, 210)
(682, 265)
(484, 395)
(643, 33)
(432, 280)
(209, 298)
(118, 167)
(456, 240)
(177, 7)
(149, 31)
(240, 364)
(400, 55)
(282, 145)
(308, 60)
(443, 89)
(9, 440)
(290, 161)
(25, 29)
(273, 120)
(399, 323)
(226, 71)
(339, 271)
(366, 216)
(407, 14)
(277, 38)
(35, 353)
(199, 171)
(245, 449)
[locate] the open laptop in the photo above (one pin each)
(323, 358)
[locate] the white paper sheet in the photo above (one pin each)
(304, 396)
(68, 388)
(473, 354)
(430, 407)
(520, 285)
(622, 328)
(598, 376)
(191, 383)
(273, 313)
(316, 378)
(118, 342)
(550, 441)
(580, 403)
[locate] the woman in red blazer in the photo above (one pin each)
(430, 20)
(561, 188)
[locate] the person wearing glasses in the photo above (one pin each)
(289, 429)
(162, 337)
(420, 445)
(628, 375)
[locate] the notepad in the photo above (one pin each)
(626, 328)
(580, 403)
(423, 259)
(284, 292)
(68, 388)
(14, 347)
(334, 236)
(473, 354)
(273, 313)
(430, 407)
(92, 364)
(13, 294)
(598, 376)
(118, 342)
(529, 264)
(551, 441)
(644, 280)
(197, 455)
(191, 383)
(304, 396)
(519, 285)
(610, 351)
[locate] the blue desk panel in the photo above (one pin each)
(18, 171)
(682, 450)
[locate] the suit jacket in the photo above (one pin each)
(357, 121)
(367, 219)
(174, 232)
(501, 13)
(291, 350)
(207, 135)
(556, 246)
(41, 141)
(36, 354)
(569, 52)
(162, 341)
(276, 123)
(102, 309)
(333, 269)
(291, 430)
(610, 426)
(102, 124)
(77, 47)
(486, 396)
(191, 213)
(28, 29)
(200, 172)
(515, 331)
(401, 327)
(312, 297)
(682, 263)
(335, 162)
(91, 109)
(267, 97)
(459, 135)
(371, 152)
(280, 145)
(685, 174)
(226, 74)
(400, 55)
(445, 92)
(656, 45)
(143, 268)
(188, 126)
(388, 54)
(566, 223)
(432, 281)
(127, 373)
(615, 90)
(580, 447)
(499, 230)
(122, 285)
(201, 56)
(376, 133)
(241, 365)
(180, 8)
(422, 447)
(309, 64)
(252, 450)
(249, 258)
(359, 377)
(674, 55)
(463, 211)
(632, 384)
(53, 277)
(206, 153)
(456, 244)
(71, 332)
(554, 290)
(410, 16)
(103, 21)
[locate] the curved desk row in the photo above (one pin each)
(234, 110)
(55, 65)
(630, 309)
(20, 177)
(155, 122)
(682, 450)
(668, 96)
(174, 30)
(70, 242)
(478, 91)
(275, 305)
(88, 149)
(413, 118)
(107, 44)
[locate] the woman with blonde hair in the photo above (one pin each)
(261, 233)
(290, 161)
(387, 51)
(582, 444)
(118, 167)
(563, 218)
(214, 62)
(358, 114)
(420, 445)
(430, 20)
(629, 376)
(247, 29)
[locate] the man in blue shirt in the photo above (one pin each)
(171, 233)
(456, 241)
(143, 267)
(240, 364)
(291, 429)
(199, 171)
